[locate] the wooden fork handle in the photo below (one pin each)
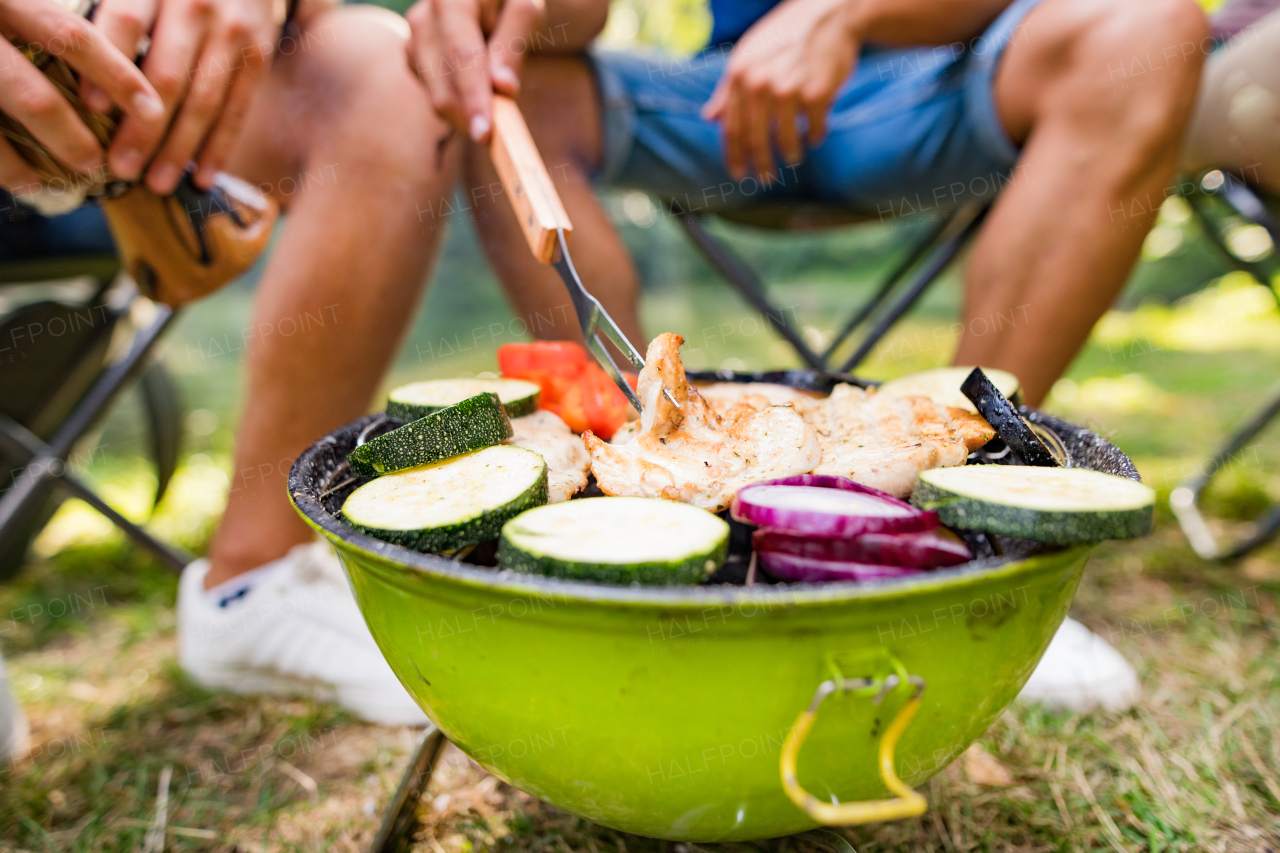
(526, 180)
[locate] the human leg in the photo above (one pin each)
(1099, 145)
(353, 256)
(268, 612)
(1237, 117)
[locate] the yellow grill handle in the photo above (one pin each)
(907, 803)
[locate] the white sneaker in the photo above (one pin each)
(296, 631)
(1080, 671)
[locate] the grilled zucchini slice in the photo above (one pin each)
(1055, 505)
(419, 399)
(460, 501)
(618, 540)
(476, 422)
(942, 386)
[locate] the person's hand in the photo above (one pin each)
(206, 59)
(789, 64)
(27, 96)
(464, 50)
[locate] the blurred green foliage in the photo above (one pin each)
(680, 26)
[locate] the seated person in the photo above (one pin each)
(329, 118)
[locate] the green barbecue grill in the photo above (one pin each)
(704, 713)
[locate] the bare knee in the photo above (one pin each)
(1152, 53)
(322, 65)
(1122, 69)
(343, 95)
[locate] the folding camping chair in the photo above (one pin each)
(74, 332)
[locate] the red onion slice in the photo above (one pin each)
(789, 567)
(932, 549)
(827, 507)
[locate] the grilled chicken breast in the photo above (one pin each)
(567, 460)
(722, 395)
(688, 452)
(883, 441)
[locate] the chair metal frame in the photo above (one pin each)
(1217, 209)
(923, 264)
(44, 461)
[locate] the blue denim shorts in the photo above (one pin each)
(913, 129)
(25, 235)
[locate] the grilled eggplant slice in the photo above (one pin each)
(1005, 420)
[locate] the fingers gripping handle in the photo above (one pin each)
(906, 803)
(525, 178)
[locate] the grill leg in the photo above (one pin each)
(399, 818)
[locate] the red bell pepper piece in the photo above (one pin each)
(605, 404)
(572, 410)
(573, 387)
(559, 358)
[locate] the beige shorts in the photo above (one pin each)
(1236, 124)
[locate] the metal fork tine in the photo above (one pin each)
(525, 178)
(611, 367)
(603, 323)
(602, 354)
(592, 315)
(594, 320)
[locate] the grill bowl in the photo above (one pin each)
(663, 711)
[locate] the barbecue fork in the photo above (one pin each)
(546, 226)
